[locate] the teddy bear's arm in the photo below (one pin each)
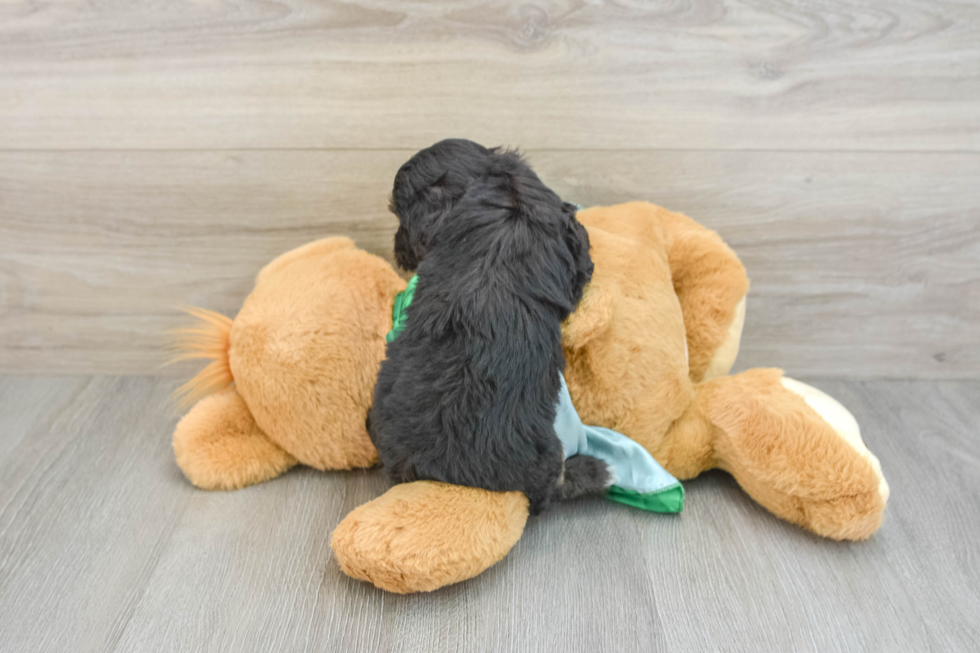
(711, 284)
(219, 446)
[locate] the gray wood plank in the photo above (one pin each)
(914, 586)
(27, 402)
(879, 74)
(104, 547)
(863, 264)
(88, 497)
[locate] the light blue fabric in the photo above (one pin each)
(633, 467)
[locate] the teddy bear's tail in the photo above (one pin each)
(208, 339)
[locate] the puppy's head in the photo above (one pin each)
(426, 189)
(456, 186)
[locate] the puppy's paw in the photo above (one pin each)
(585, 475)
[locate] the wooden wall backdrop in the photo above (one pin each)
(156, 154)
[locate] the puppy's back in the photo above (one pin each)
(467, 394)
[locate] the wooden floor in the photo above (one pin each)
(105, 547)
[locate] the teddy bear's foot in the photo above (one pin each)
(853, 515)
(797, 452)
(842, 421)
(418, 537)
(219, 447)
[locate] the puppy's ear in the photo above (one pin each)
(408, 251)
(419, 221)
(422, 206)
(577, 242)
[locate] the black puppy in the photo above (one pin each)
(467, 393)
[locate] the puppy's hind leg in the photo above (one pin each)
(584, 475)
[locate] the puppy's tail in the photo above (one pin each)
(585, 475)
(208, 339)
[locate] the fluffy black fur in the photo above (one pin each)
(467, 393)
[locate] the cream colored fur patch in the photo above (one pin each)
(842, 421)
(721, 363)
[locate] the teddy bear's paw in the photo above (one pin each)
(218, 446)
(842, 422)
(418, 537)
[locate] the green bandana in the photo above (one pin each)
(398, 317)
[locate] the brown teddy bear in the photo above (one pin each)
(648, 351)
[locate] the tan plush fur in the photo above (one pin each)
(661, 313)
(710, 282)
(631, 375)
(420, 536)
(792, 463)
(219, 446)
(724, 357)
(306, 347)
(304, 353)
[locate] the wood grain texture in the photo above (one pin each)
(698, 74)
(862, 264)
(105, 547)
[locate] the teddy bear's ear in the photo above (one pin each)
(592, 317)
